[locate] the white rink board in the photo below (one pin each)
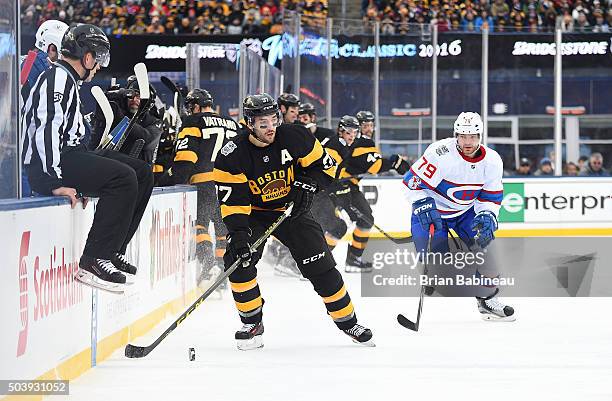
(45, 313)
(47, 316)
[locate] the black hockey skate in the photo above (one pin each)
(250, 336)
(124, 266)
(360, 335)
(493, 310)
(100, 273)
(354, 264)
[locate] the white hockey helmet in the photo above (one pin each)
(468, 123)
(50, 32)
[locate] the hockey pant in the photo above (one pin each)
(442, 243)
(314, 259)
(363, 218)
(325, 213)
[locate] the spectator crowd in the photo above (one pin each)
(211, 17)
(587, 166)
(397, 16)
(200, 17)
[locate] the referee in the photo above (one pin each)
(57, 163)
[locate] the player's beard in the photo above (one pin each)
(267, 137)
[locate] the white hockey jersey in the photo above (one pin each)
(457, 182)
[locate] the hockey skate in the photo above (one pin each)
(493, 310)
(100, 273)
(250, 336)
(354, 264)
(208, 276)
(286, 266)
(360, 335)
(124, 266)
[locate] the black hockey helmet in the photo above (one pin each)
(259, 105)
(80, 39)
(365, 116)
(198, 96)
(288, 100)
(348, 122)
(307, 108)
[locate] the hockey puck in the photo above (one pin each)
(192, 354)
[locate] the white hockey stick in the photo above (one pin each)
(107, 111)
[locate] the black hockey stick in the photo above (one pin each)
(134, 351)
(137, 148)
(403, 320)
(176, 94)
(402, 240)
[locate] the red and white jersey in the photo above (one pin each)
(457, 182)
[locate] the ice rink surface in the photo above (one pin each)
(558, 349)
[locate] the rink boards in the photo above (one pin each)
(54, 327)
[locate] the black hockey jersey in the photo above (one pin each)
(366, 159)
(198, 143)
(324, 134)
(250, 177)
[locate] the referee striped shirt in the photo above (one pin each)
(52, 123)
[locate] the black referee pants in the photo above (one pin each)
(123, 185)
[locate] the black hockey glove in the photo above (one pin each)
(400, 165)
(304, 189)
(238, 248)
(341, 195)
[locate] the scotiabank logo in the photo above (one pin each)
(55, 289)
(22, 341)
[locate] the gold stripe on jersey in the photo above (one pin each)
(362, 151)
(315, 154)
(158, 168)
(344, 312)
(190, 131)
(229, 178)
(375, 168)
(250, 305)
(186, 156)
(201, 177)
(229, 210)
(337, 296)
(243, 287)
(334, 153)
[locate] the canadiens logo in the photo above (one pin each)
(414, 182)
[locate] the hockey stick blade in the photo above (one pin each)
(135, 351)
(403, 320)
(107, 111)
